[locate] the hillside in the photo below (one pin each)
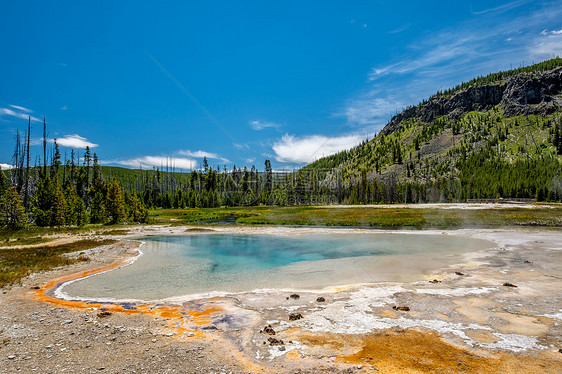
(496, 136)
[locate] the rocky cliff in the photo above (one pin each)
(524, 93)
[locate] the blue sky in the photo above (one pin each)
(239, 82)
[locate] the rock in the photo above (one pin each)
(268, 330)
(66, 322)
(294, 316)
(401, 308)
(320, 299)
(434, 281)
(459, 273)
(273, 341)
(507, 284)
(105, 313)
(521, 94)
(295, 296)
(528, 262)
(34, 287)
(11, 357)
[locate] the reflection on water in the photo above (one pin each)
(201, 263)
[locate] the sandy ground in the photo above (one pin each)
(461, 318)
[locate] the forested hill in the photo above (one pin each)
(495, 136)
(523, 91)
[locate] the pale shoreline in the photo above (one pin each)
(474, 312)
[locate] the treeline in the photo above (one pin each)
(62, 194)
(482, 155)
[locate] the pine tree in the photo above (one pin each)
(97, 210)
(115, 203)
(56, 161)
(205, 164)
(43, 201)
(3, 182)
(137, 211)
(97, 178)
(12, 212)
(76, 213)
(59, 208)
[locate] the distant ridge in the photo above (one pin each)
(492, 137)
(529, 90)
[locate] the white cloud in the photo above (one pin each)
(400, 29)
(201, 154)
(507, 6)
(22, 113)
(64, 107)
(445, 48)
(259, 125)
(75, 141)
(17, 107)
(243, 147)
(156, 161)
(481, 45)
(369, 110)
(6, 166)
(309, 148)
(545, 46)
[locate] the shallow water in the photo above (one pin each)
(173, 266)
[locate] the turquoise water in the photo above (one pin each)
(203, 263)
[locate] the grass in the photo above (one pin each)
(205, 215)
(35, 235)
(123, 231)
(24, 241)
(17, 263)
(33, 231)
(371, 216)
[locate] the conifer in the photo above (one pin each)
(12, 212)
(115, 203)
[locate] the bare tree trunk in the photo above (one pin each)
(44, 148)
(26, 192)
(17, 176)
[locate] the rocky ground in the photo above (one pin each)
(498, 311)
(44, 338)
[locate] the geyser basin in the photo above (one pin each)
(205, 263)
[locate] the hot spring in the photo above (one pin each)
(199, 264)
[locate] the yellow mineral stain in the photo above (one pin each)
(179, 316)
(425, 352)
